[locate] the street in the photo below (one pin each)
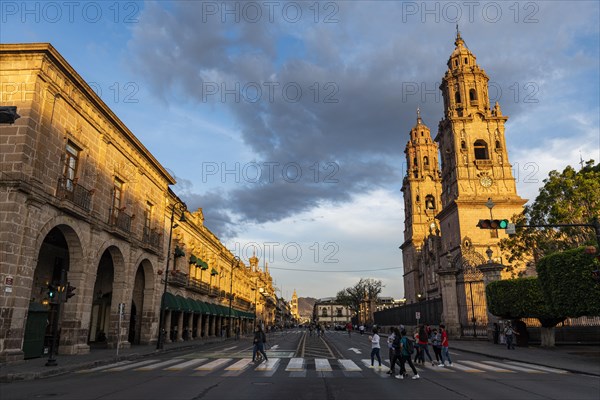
(305, 367)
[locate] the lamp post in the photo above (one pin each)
(182, 208)
(235, 262)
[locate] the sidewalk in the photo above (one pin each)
(573, 358)
(35, 368)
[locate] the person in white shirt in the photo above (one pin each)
(375, 347)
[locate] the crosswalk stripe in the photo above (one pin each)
(240, 365)
(516, 368)
(436, 368)
(213, 364)
(187, 364)
(100, 368)
(322, 364)
(485, 366)
(349, 365)
(269, 365)
(159, 365)
(131, 366)
(295, 364)
(463, 368)
(539, 367)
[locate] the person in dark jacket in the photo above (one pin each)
(259, 343)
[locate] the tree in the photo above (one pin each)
(364, 289)
(567, 197)
(563, 289)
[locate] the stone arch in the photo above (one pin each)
(142, 302)
(72, 234)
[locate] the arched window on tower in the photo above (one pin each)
(481, 150)
(429, 202)
(463, 145)
(418, 198)
(473, 96)
(457, 97)
(426, 162)
(415, 162)
(498, 147)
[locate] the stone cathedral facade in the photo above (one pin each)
(449, 183)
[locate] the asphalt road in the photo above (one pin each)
(303, 367)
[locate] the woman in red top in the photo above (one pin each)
(422, 343)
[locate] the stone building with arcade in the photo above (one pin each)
(83, 201)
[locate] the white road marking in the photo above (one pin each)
(322, 364)
(349, 365)
(295, 364)
(516, 368)
(186, 364)
(100, 368)
(538, 367)
(485, 366)
(240, 365)
(268, 365)
(213, 364)
(159, 365)
(131, 366)
(462, 368)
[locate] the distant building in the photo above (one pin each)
(328, 312)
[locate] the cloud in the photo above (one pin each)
(345, 93)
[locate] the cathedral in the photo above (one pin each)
(452, 181)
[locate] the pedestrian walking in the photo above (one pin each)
(361, 329)
(423, 344)
(445, 352)
(406, 345)
(417, 356)
(509, 334)
(436, 344)
(397, 355)
(375, 347)
(259, 343)
(390, 343)
(349, 329)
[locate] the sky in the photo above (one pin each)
(287, 121)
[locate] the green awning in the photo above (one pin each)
(211, 308)
(203, 307)
(170, 302)
(184, 304)
(201, 263)
(196, 307)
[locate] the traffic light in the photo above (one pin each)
(52, 292)
(492, 224)
(70, 291)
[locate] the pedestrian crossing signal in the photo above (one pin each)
(52, 289)
(492, 224)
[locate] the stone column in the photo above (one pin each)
(168, 326)
(180, 327)
(491, 273)
(199, 326)
(190, 325)
(211, 330)
(451, 316)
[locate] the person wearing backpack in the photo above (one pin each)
(406, 349)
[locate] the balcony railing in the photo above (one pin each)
(151, 237)
(75, 193)
(178, 279)
(483, 163)
(120, 219)
(198, 287)
(213, 292)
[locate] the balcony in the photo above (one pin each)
(197, 286)
(178, 279)
(213, 292)
(75, 193)
(483, 164)
(152, 237)
(120, 219)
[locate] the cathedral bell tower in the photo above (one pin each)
(475, 164)
(422, 190)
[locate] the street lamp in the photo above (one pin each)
(235, 262)
(181, 208)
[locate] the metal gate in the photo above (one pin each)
(472, 307)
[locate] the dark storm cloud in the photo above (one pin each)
(372, 69)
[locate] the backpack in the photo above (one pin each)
(410, 345)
